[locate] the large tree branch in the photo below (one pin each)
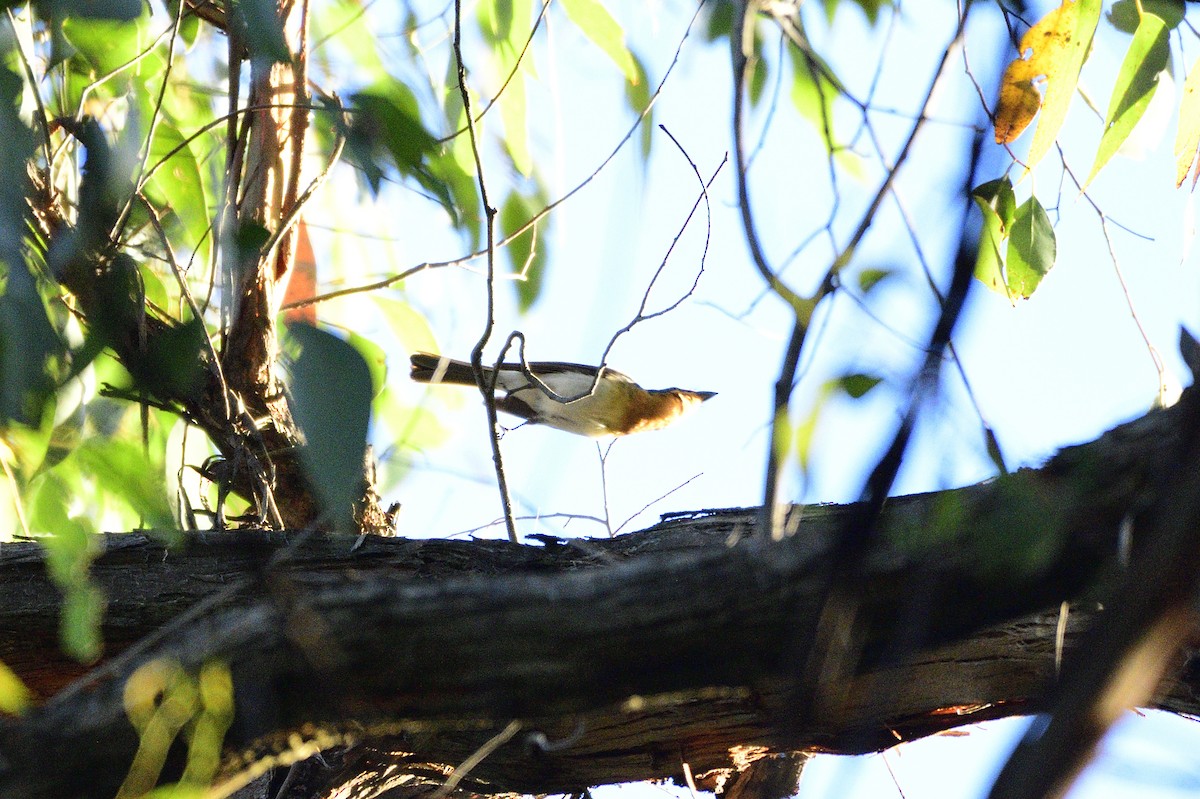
(629, 656)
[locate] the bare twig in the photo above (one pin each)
(642, 315)
(602, 451)
(144, 155)
(486, 387)
(477, 757)
(652, 503)
(537, 24)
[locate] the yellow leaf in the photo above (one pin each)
(1056, 47)
(1187, 139)
(15, 698)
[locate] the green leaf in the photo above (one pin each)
(597, 24)
(123, 469)
(998, 204)
(814, 89)
(637, 94)
(177, 188)
(803, 435)
(67, 546)
(759, 72)
(513, 107)
(374, 356)
(812, 92)
(408, 325)
(495, 21)
(30, 348)
(155, 290)
(331, 400)
(869, 7)
(720, 19)
(868, 279)
(527, 253)
(344, 27)
(1187, 138)
(1031, 249)
(108, 45)
(857, 385)
(1124, 15)
(387, 121)
(605, 32)
(79, 626)
(69, 552)
(393, 106)
(1138, 78)
(89, 9)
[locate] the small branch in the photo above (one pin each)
(486, 387)
(537, 24)
(641, 315)
(477, 757)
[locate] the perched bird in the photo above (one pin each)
(617, 407)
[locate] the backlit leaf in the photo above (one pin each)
(1057, 47)
(123, 469)
(14, 695)
(1134, 88)
(106, 44)
(1187, 138)
(868, 279)
(598, 25)
(813, 92)
(513, 106)
(637, 94)
(527, 252)
(1031, 249)
(995, 199)
(177, 188)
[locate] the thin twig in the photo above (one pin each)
(185, 291)
(37, 95)
(1155, 357)
(603, 451)
(533, 518)
(155, 113)
(653, 502)
(537, 23)
(487, 387)
(642, 315)
(479, 755)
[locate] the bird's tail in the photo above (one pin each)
(427, 368)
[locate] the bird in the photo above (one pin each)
(617, 407)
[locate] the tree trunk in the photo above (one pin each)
(619, 659)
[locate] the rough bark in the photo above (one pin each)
(621, 659)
